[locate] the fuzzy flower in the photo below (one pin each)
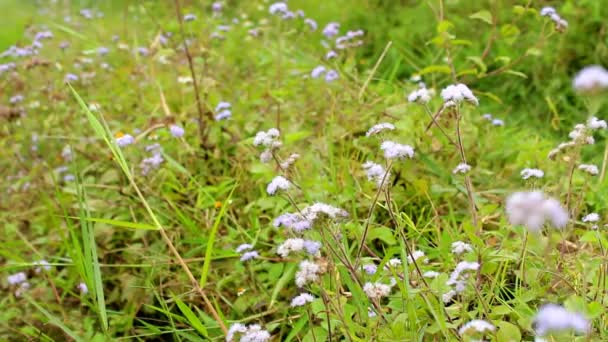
(332, 29)
(370, 269)
(593, 217)
(393, 150)
(216, 7)
(267, 139)
(125, 140)
(331, 76)
(176, 131)
(243, 247)
(311, 23)
(421, 95)
(476, 326)
(460, 273)
(305, 219)
(430, 274)
(151, 163)
(417, 255)
(392, 263)
(554, 318)
(379, 128)
(289, 161)
(487, 116)
(102, 51)
(301, 299)
(278, 8)
(250, 333)
(17, 278)
(457, 93)
(42, 265)
(376, 290)
(528, 173)
(462, 168)
(377, 173)
(249, 256)
(532, 209)
(189, 17)
(70, 78)
(308, 272)
(498, 122)
(16, 99)
(591, 79)
(595, 123)
(82, 287)
(297, 245)
(459, 247)
(317, 71)
(547, 11)
(331, 54)
(589, 168)
(278, 183)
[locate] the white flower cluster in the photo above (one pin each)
(591, 79)
(297, 245)
(289, 161)
(458, 279)
(459, 247)
(462, 168)
(589, 168)
(377, 173)
(247, 252)
(377, 290)
(249, 333)
(476, 326)
(125, 140)
(555, 318)
(301, 299)
(533, 208)
(20, 281)
(592, 217)
(349, 40)
(393, 150)
(493, 120)
(421, 95)
(223, 111)
(268, 140)
(528, 173)
(560, 24)
(278, 183)
(375, 129)
(307, 273)
(456, 93)
(417, 255)
(305, 219)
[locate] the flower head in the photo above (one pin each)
(591, 79)
(278, 183)
(459, 247)
(377, 128)
(308, 272)
(555, 318)
(301, 299)
(532, 209)
(176, 131)
(476, 326)
(457, 93)
(394, 150)
(528, 173)
(125, 140)
(462, 168)
(376, 290)
(592, 217)
(332, 29)
(331, 76)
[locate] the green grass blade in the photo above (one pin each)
(55, 321)
(194, 321)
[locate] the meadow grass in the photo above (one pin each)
(202, 229)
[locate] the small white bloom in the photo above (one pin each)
(125, 140)
(278, 8)
(487, 116)
(592, 217)
(311, 23)
(459, 247)
(394, 150)
(42, 265)
(547, 11)
(301, 300)
(278, 183)
(308, 272)
(555, 318)
(375, 129)
(416, 255)
(591, 79)
(462, 168)
(251, 333)
(589, 168)
(317, 71)
(527, 173)
(83, 288)
(243, 247)
(457, 93)
(267, 139)
(421, 95)
(430, 274)
(476, 326)
(370, 269)
(532, 209)
(176, 131)
(377, 173)
(376, 290)
(17, 278)
(595, 123)
(498, 122)
(249, 256)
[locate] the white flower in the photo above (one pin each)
(554, 318)
(301, 300)
(457, 93)
(379, 128)
(421, 95)
(416, 255)
(430, 274)
(42, 265)
(447, 297)
(278, 8)
(591, 79)
(376, 290)
(331, 54)
(243, 247)
(249, 256)
(332, 29)
(527, 173)
(176, 131)
(392, 263)
(595, 123)
(393, 150)
(592, 217)
(376, 172)
(498, 122)
(289, 161)
(317, 71)
(83, 288)
(290, 245)
(459, 272)
(487, 116)
(459, 247)
(278, 183)
(589, 168)
(308, 272)
(370, 269)
(476, 326)
(267, 139)
(305, 218)
(532, 209)
(17, 278)
(462, 168)
(547, 11)
(311, 23)
(223, 115)
(125, 140)
(251, 333)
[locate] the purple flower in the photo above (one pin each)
(317, 71)
(331, 76)
(176, 131)
(250, 256)
(16, 99)
(331, 30)
(71, 78)
(217, 6)
(311, 23)
(125, 140)
(143, 51)
(312, 247)
(370, 269)
(102, 51)
(189, 17)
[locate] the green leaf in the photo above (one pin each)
(444, 26)
(516, 73)
(444, 69)
(507, 332)
(117, 223)
(482, 15)
(479, 62)
(194, 321)
(55, 321)
(383, 234)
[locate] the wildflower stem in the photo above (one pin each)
(202, 131)
(604, 164)
(467, 178)
(434, 121)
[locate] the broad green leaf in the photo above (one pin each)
(192, 319)
(482, 15)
